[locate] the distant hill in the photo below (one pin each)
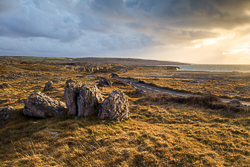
(123, 61)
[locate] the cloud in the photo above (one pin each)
(93, 27)
(7, 6)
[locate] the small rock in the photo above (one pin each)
(138, 91)
(42, 106)
(5, 85)
(49, 85)
(54, 134)
(88, 100)
(7, 113)
(104, 82)
(235, 101)
(69, 81)
(116, 107)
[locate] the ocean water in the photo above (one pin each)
(215, 68)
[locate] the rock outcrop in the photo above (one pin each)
(6, 114)
(88, 100)
(49, 85)
(115, 107)
(104, 82)
(42, 106)
(71, 92)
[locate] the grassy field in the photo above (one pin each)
(123, 61)
(229, 85)
(159, 132)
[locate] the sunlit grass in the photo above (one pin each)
(158, 133)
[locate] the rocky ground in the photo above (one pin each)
(226, 84)
(85, 118)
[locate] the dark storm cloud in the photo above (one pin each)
(107, 25)
(8, 5)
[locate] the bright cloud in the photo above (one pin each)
(179, 30)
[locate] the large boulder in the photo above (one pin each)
(49, 85)
(71, 92)
(115, 107)
(104, 82)
(42, 106)
(88, 100)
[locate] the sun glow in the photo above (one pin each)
(241, 50)
(198, 43)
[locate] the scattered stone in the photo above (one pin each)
(7, 113)
(116, 107)
(71, 92)
(104, 82)
(88, 100)
(138, 91)
(113, 75)
(40, 105)
(68, 81)
(49, 85)
(235, 101)
(20, 73)
(5, 85)
(54, 134)
(56, 81)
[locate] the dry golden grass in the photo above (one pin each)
(230, 85)
(158, 133)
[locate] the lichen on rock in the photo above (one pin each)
(114, 107)
(88, 100)
(71, 92)
(40, 105)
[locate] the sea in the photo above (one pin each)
(215, 68)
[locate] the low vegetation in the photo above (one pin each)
(162, 130)
(227, 85)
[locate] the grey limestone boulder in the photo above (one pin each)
(115, 107)
(40, 105)
(71, 92)
(49, 85)
(88, 100)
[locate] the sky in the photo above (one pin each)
(190, 31)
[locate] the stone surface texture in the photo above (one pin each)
(40, 105)
(114, 107)
(71, 92)
(88, 100)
